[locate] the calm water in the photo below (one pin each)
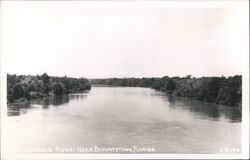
(124, 117)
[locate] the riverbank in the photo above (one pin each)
(22, 88)
(219, 90)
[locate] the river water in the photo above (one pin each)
(143, 119)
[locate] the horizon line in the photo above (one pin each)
(140, 77)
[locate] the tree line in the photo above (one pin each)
(27, 87)
(220, 90)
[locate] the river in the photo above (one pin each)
(125, 117)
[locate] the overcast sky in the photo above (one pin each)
(98, 42)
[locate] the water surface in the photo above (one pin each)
(124, 117)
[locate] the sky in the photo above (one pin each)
(104, 42)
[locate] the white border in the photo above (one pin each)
(244, 5)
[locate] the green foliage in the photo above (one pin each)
(219, 90)
(39, 86)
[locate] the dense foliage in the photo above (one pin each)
(32, 87)
(219, 90)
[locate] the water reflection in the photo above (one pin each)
(206, 110)
(15, 109)
(60, 100)
(113, 116)
(46, 103)
(13, 112)
(77, 96)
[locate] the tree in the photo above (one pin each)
(58, 88)
(18, 92)
(45, 79)
(188, 76)
(213, 88)
(231, 92)
(170, 85)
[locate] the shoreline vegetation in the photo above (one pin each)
(219, 90)
(22, 88)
